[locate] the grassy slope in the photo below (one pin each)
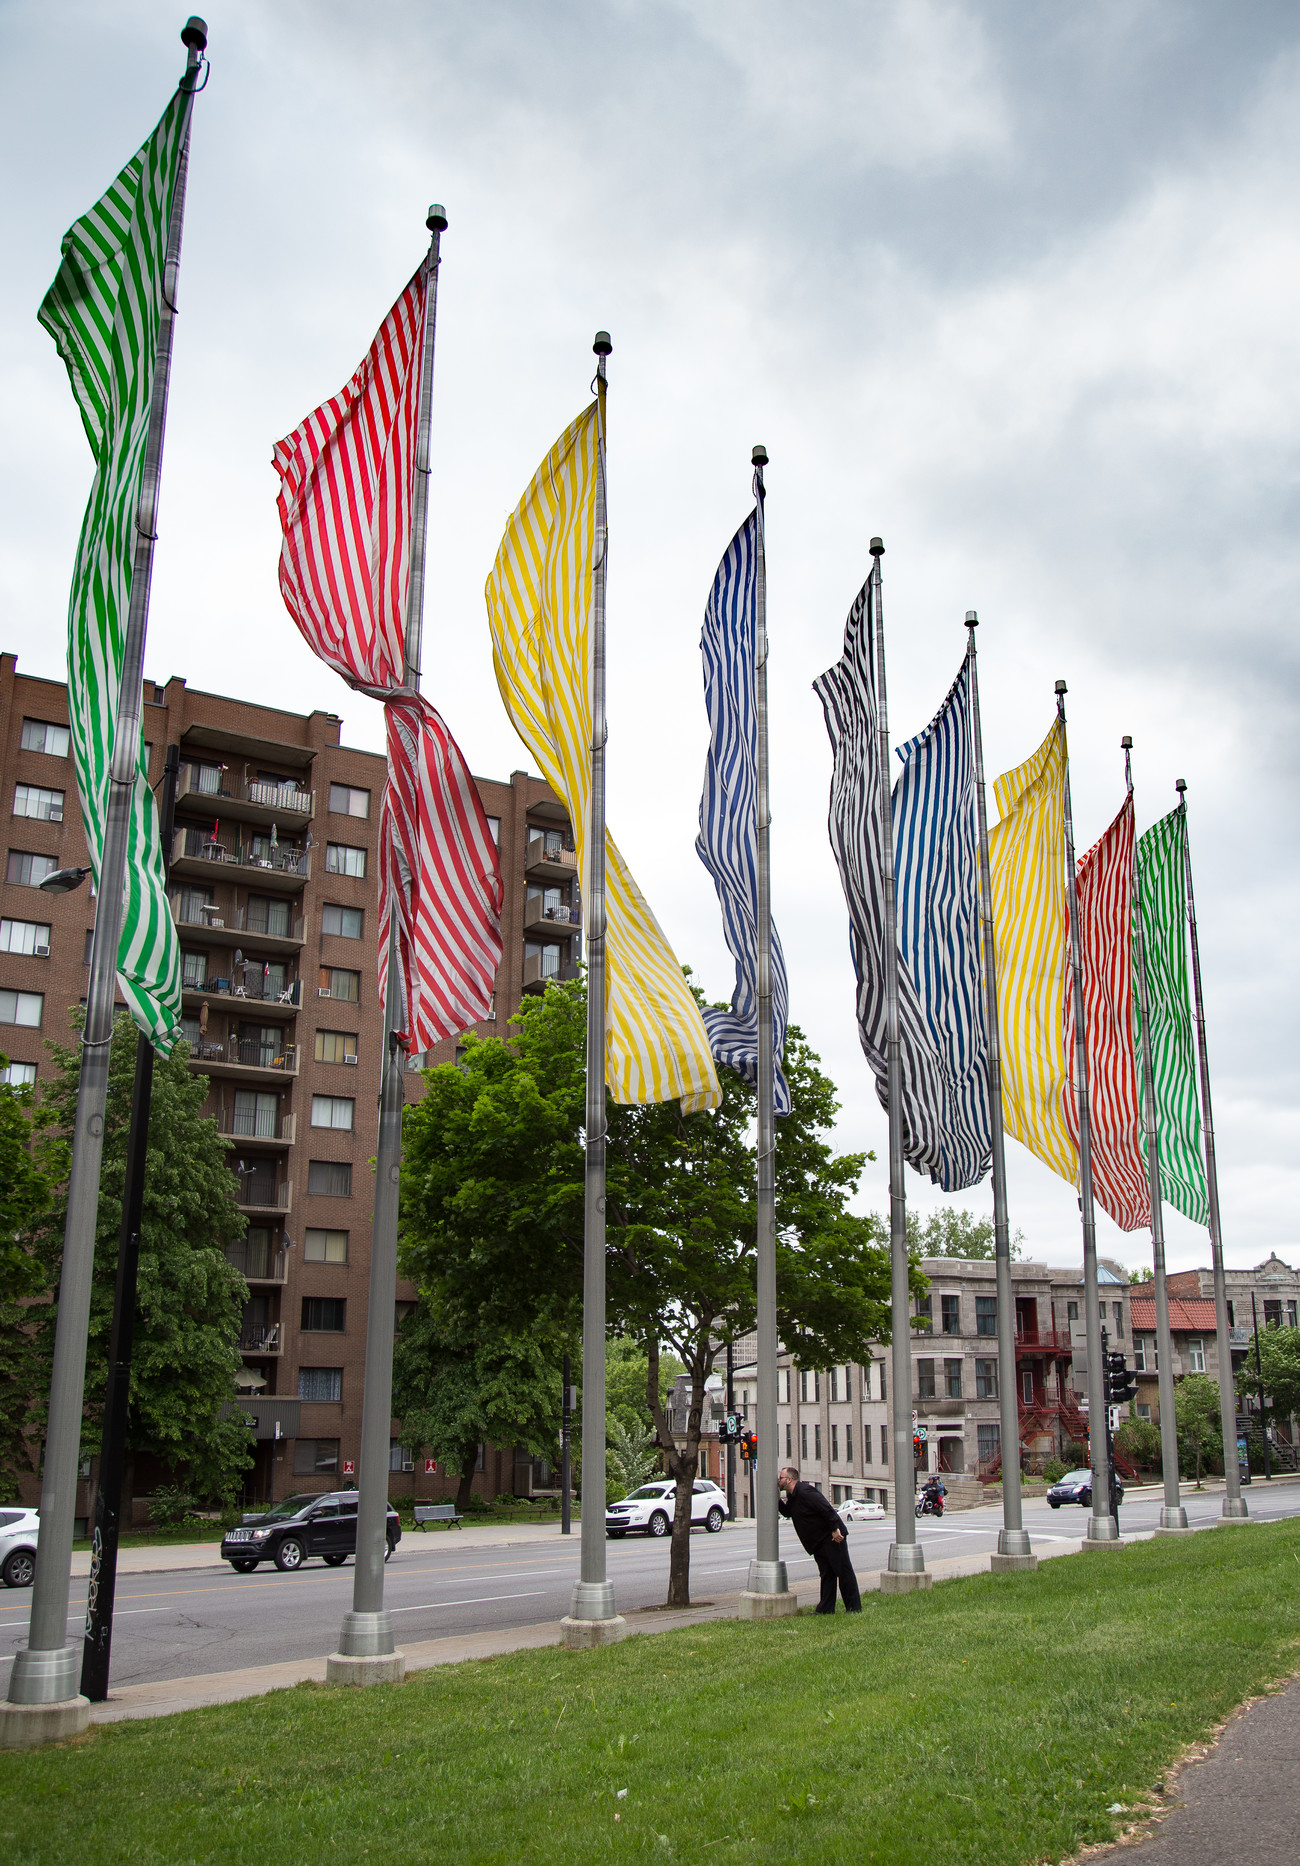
(993, 1720)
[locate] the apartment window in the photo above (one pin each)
(951, 1312)
(1143, 1412)
(881, 1366)
(332, 1111)
(347, 922)
(35, 800)
(22, 1007)
(1232, 1316)
(42, 735)
(1071, 1311)
(925, 1306)
(28, 871)
(810, 1386)
(400, 1457)
(952, 1379)
(925, 1379)
(783, 1384)
(1117, 1315)
(194, 971)
(89, 946)
(494, 828)
(336, 1046)
(788, 1452)
(342, 859)
(322, 1384)
(817, 1444)
(325, 1246)
(1291, 1316)
(1272, 1312)
(315, 1456)
(28, 936)
(834, 1378)
(192, 905)
(866, 1444)
(986, 1379)
(884, 1445)
(986, 1315)
(332, 1179)
(848, 1383)
(1196, 1355)
(346, 800)
(803, 1443)
(1139, 1355)
(988, 1441)
(1027, 1387)
(848, 1444)
(323, 1315)
(336, 983)
(18, 1075)
(257, 1114)
(835, 1444)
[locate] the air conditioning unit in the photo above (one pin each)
(56, 815)
(323, 992)
(42, 952)
(351, 1059)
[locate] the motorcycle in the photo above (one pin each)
(930, 1501)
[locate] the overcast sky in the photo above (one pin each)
(1016, 286)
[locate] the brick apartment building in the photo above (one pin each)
(273, 888)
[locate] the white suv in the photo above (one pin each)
(651, 1508)
(19, 1530)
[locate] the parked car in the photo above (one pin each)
(650, 1509)
(1076, 1487)
(19, 1531)
(299, 1528)
(858, 1510)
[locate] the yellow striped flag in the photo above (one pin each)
(539, 599)
(1030, 933)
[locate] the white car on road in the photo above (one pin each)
(19, 1530)
(650, 1509)
(858, 1510)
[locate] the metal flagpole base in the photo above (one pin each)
(1234, 1510)
(767, 1593)
(906, 1571)
(45, 1676)
(1173, 1522)
(1103, 1533)
(1014, 1554)
(592, 1619)
(366, 1654)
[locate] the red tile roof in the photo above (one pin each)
(1187, 1315)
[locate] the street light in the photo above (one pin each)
(64, 880)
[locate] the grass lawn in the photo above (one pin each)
(993, 1720)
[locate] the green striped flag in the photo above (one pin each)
(103, 312)
(1161, 856)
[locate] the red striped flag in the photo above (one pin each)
(347, 475)
(1106, 933)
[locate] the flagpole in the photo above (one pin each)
(593, 1619)
(1173, 1517)
(367, 1654)
(1103, 1530)
(767, 1589)
(1013, 1551)
(906, 1569)
(1234, 1504)
(45, 1672)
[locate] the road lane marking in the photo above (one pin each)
(431, 1606)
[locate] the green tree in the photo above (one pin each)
(190, 1299)
(1140, 1438)
(634, 1453)
(1196, 1409)
(627, 1373)
(29, 1173)
(453, 1391)
(493, 1217)
(950, 1233)
(1279, 1360)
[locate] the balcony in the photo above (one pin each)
(559, 865)
(260, 1193)
(1044, 1341)
(244, 1059)
(249, 802)
(261, 1339)
(556, 922)
(222, 924)
(538, 974)
(246, 985)
(257, 1263)
(261, 1130)
(279, 869)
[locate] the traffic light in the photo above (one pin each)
(1121, 1385)
(749, 1446)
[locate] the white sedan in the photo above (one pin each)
(858, 1510)
(19, 1531)
(650, 1509)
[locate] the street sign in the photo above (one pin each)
(349, 1467)
(921, 1431)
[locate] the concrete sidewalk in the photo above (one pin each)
(1239, 1802)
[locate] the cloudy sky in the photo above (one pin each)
(1016, 286)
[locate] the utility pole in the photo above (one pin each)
(565, 1459)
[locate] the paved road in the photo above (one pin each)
(179, 1624)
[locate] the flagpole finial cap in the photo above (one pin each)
(972, 620)
(195, 33)
(1060, 687)
(759, 455)
(436, 218)
(1126, 743)
(601, 343)
(877, 547)
(1180, 785)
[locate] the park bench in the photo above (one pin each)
(426, 1513)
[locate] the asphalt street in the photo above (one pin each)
(179, 1624)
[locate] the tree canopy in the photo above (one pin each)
(1279, 1359)
(492, 1216)
(950, 1233)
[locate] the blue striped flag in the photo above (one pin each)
(728, 840)
(945, 1109)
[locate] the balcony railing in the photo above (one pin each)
(551, 919)
(257, 1263)
(286, 798)
(208, 782)
(264, 1339)
(1044, 1341)
(195, 845)
(248, 982)
(256, 1124)
(246, 1053)
(258, 921)
(263, 1194)
(538, 975)
(539, 856)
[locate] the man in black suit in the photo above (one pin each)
(818, 1526)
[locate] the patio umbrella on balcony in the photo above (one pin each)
(203, 1018)
(249, 1377)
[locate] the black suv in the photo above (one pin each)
(300, 1527)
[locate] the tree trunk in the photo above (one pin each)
(469, 1458)
(682, 1466)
